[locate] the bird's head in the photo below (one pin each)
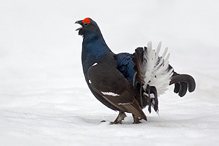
(88, 26)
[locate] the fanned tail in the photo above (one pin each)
(152, 72)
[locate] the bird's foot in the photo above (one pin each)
(137, 119)
(115, 122)
(136, 122)
(119, 118)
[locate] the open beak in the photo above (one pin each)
(78, 22)
(80, 30)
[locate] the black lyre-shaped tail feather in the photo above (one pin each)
(152, 101)
(183, 82)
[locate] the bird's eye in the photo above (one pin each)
(85, 23)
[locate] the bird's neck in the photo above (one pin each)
(94, 48)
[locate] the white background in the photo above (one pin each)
(43, 96)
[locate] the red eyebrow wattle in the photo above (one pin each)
(86, 20)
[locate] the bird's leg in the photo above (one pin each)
(119, 118)
(136, 119)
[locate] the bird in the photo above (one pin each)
(126, 82)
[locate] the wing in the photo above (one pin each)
(126, 65)
(108, 82)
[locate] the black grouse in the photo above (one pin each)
(127, 82)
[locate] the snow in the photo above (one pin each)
(44, 99)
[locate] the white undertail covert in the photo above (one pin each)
(157, 71)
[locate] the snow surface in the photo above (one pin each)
(44, 99)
